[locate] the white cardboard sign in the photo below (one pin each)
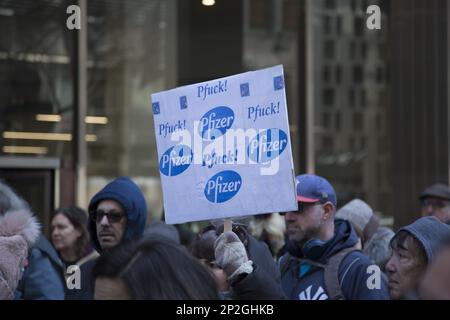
(224, 147)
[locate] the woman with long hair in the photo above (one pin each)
(70, 236)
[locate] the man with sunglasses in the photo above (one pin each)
(117, 213)
(435, 201)
(322, 262)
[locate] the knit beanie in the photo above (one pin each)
(357, 212)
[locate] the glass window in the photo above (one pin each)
(381, 98)
(260, 14)
(326, 24)
(351, 144)
(330, 4)
(338, 25)
(358, 74)
(379, 122)
(363, 100)
(37, 94)
(328, 143)
(328, 49)
(358, 26)
(130, 56)
(379, 75)
(363, 50)
(382, 51)
(326, 120)
(363, 143)
(351, 97)
(352, 50)
(338, 74)
(326, 74)
(36, 81)
(328, 97)
(381, 144)
(290, 14)
(337, 121)
(358, 121)
(347, 170)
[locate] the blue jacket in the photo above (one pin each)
(304, 281)
(127, 193)
(43, 278)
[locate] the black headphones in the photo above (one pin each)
(313, 249)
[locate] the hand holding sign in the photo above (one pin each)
(231, 255)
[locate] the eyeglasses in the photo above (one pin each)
(113, 216)
(435, 203)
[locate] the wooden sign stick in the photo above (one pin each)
(227, 225)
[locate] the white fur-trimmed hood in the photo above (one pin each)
(20, 222)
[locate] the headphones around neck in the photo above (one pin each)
(313, 249)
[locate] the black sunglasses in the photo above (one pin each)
(113, 216)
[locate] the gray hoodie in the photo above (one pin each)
(430, 232)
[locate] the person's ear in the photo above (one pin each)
(328, 208)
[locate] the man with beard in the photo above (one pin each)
(321, 261)
(117, 213)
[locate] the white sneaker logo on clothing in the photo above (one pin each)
(319, 295)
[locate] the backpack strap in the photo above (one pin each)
(284, 262)
(331, 274)
(287, 259)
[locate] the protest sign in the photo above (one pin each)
(224, 147)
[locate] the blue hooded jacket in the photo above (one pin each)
(43, 279)
(127, 193)
(304, 281)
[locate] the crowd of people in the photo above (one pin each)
(318, 252)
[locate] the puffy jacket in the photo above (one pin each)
(43, 278)
(302, 280)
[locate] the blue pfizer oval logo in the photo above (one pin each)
(223, 186)
(175, 160)
(267, 145)
(216, 122)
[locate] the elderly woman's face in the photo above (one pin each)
(405, 267)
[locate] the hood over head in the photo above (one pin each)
(127, 193)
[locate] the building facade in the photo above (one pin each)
(368, 109)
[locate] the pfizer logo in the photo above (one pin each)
(223, 186)
(216, 122)
(267, 145)
(175, 160)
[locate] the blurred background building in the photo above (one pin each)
(368, 109)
